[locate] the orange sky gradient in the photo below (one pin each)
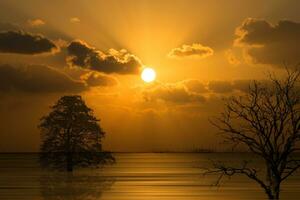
(201, 51)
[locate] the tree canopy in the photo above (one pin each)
(71, 136)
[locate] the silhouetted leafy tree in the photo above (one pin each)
(266, 121)
(71, 136)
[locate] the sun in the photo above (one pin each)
(148, 75)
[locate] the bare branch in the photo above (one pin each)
(266, 121)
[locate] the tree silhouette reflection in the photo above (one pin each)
(77, 186)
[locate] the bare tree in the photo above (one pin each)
(266, 120)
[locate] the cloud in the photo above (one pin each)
(94, 79)
(231, 57)
(195, 91)
(172, 93)
(195, 85)
(243, 85)
(238, 85)
(36, 79)
(5, 26)
(119, 62)
(25, 43)
(35, 22)
(49, 31)
(267, 43)
(74, 20)
(196, 50)
(220, 86)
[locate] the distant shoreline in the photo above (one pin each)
(149, 152)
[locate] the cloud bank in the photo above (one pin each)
(172, 93)
(195, 91)
(36, 79)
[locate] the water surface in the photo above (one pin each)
(135, 176)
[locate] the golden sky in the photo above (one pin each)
(201, 51)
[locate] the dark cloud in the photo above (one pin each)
(4, 26)
(36, 79)
(242, 85)
(191, 50)
(173, 93)
(268, 43)
(24, 43)
(119, 62)
(220, 86)
(94, 79)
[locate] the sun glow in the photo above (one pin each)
(148, 75)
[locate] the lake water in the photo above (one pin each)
(135, 176)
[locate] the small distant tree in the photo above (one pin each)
(71, 136)
(267, 122)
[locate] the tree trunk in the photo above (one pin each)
(273, 194)
(69, 162)
(275, 190)
(69, 156)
